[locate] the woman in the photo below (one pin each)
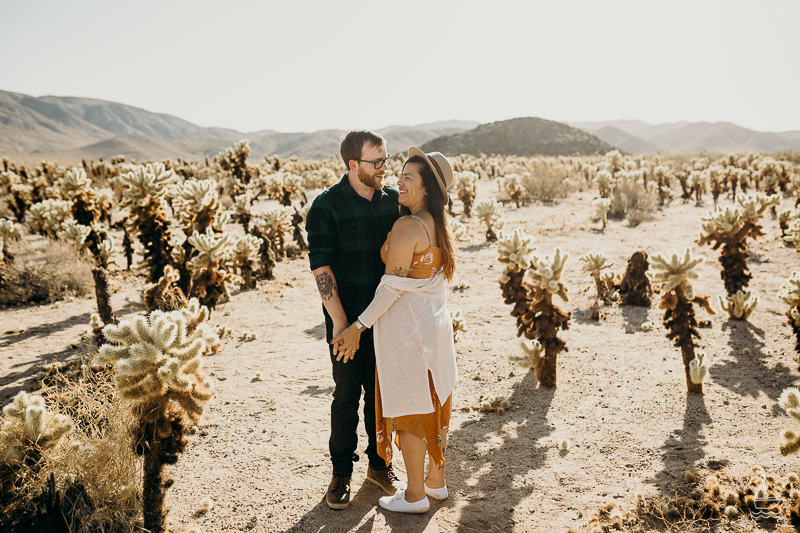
(414, 353)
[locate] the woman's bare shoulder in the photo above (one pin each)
(407, 229)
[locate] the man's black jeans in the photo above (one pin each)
(350, 378)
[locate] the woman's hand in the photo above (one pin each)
(346, 344)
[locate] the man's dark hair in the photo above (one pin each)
(354, 141)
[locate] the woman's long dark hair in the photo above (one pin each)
(435, 205)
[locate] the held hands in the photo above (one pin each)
(346, 343)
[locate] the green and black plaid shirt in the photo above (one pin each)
(346, 232)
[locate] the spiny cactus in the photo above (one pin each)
(634, 289)
(196, 203)
(89, 206)
(790, 294)
(490, 212)
(698, 368)
(466, 188)
(233, 161)
(605, 183)
(543, 319)
(790, 402)
(74, 233)
(514, 251)
(9, 231)
(459, 324)
(662, 174)
(243, 253)
(740, 305)
(158, 365)
(460, 232)
(242, 204)
(209, 275)
(513, 187)
(594, 263)
(144, 192)
(532, 354)
(48, 216)
(272, 225)
(28, 431)
(730, 227)
(601, 207)
(677, 299)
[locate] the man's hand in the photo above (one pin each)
(346, 345)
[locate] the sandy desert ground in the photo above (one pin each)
(262, 454)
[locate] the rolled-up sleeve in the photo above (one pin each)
(322, 235)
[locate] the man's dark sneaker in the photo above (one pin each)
(338, 495)
(387, 480)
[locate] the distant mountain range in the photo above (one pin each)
(68, 129)
(527, 136)
(637, 137)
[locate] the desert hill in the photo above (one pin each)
(520, 136)
(69, 129)
(640, 137)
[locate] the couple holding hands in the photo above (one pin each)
(381, 258)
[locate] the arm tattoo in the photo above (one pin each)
(399, 272)
(326, 286)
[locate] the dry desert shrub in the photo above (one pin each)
(93, 468)
(632, 202)
(546, 183)
(43, 271)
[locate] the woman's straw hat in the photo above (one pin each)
(439, 164)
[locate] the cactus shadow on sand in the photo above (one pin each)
(749, 374)
(634, 316)
(490, 493)
(683, 448)
(317, 332)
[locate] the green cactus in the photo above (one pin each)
(790, 401)
(739, 306)
(595, 263)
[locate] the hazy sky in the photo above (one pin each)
(295, 65)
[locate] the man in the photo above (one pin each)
(347, 224)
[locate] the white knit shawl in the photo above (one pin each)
(413, 335)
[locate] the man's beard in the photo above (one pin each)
(369, 180)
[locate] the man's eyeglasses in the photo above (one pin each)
(378, 163)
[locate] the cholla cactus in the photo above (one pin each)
(158, 364)
(698, 368)
(233, 161)
(196, 204)
(543, 319)
(635, 289)
(662, 174)
(242, 204)
(514, 251)
(677, 299)
(790, 294)
(698, 183)
(466, 188)
(605, 183)
(459, 325)
(144, 192)
(490, 212)
(730, 227)
(106, 250)
(48, 216)
(790, 402)
(532, 354)
(9, 231)
(594, 263)
(460, 232)
(272, 226)
(208, 273)
(29, 430)
(245, 250)
(739, 306)
(601, 207)
(74, 233)
(512, 186)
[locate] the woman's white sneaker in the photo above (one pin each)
(437, 494)
(398, 503)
